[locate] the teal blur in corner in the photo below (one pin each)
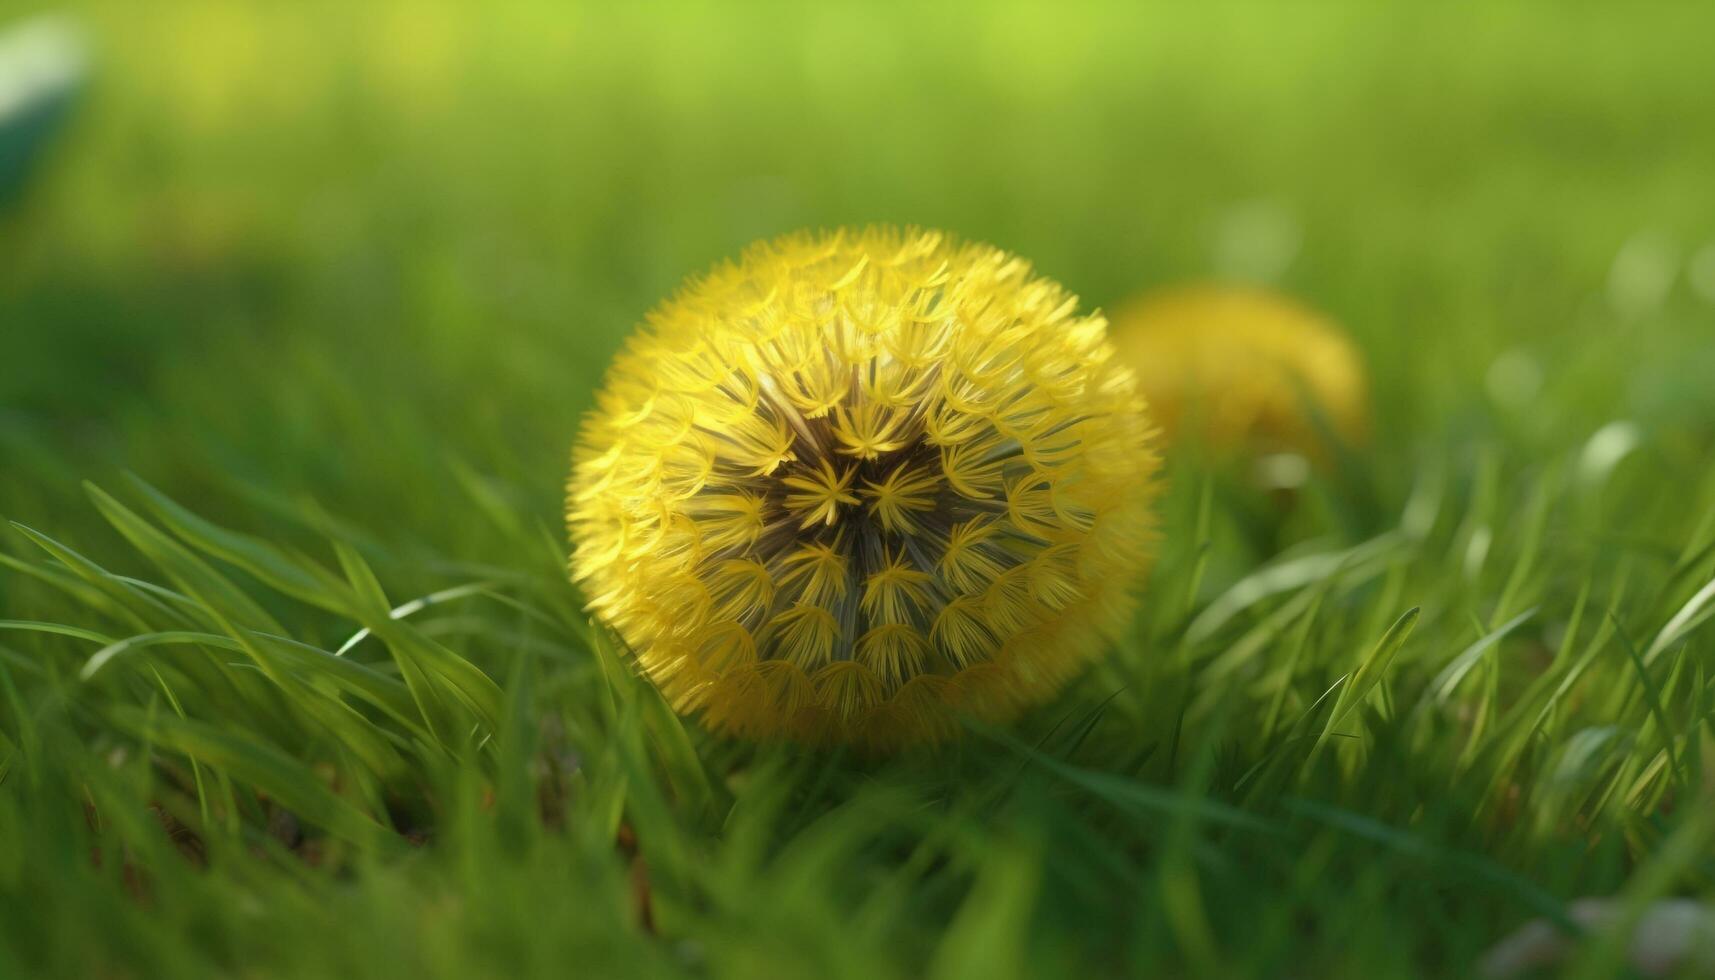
(42, 66)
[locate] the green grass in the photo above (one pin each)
(314, 297)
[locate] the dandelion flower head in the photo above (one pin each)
(856, 484)
(1243, 368)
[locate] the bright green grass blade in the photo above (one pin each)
(417, 654)
(136, 604)
(1288, 576)
(1370, 672)
(1446, 682)
(76, 632)
(1687, 619)
(292, 574)
(196, 577)
(1652, 697)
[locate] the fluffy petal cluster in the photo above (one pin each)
(1242, 368)
(856, 484)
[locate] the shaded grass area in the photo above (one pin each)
(336, 284)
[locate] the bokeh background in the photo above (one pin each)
(349, 271)
(356, 250)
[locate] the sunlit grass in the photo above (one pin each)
(317, 697)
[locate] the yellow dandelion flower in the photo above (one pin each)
(854, 485)
(1242, 368)
(819, 494)
(909, 489)
(896, 594)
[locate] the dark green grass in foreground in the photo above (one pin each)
(324, 704)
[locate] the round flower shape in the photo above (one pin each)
(1242, 368)
(857, 484)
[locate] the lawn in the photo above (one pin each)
(302, 304)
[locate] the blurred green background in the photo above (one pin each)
(331, 247)
(350, 271)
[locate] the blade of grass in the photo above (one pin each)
(1652, 696)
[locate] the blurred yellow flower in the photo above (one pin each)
(1242, 368)
(858, 483)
